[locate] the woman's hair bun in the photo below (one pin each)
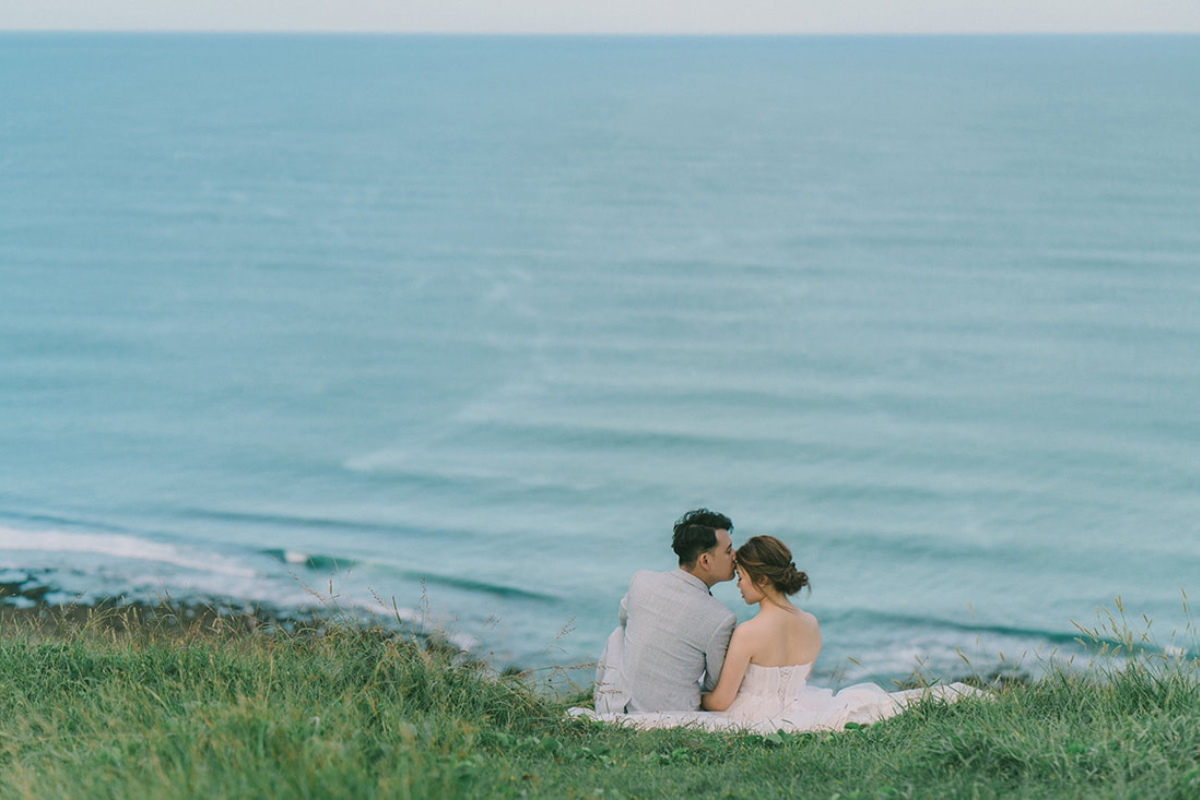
(767, 557)
(792, 580)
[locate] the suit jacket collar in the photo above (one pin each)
(692, 580)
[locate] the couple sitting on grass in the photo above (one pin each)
(676, 657)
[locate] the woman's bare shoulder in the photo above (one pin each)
(755, 627)
(806, 617)
(804, 621)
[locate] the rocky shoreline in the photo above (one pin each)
(28, 603)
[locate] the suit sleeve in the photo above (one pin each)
(623, 611)
(714, 655)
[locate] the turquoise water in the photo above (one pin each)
(466, 323)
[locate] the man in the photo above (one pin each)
(672, 633)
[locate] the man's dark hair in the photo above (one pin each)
(695, 532)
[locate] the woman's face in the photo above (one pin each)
(750, 593)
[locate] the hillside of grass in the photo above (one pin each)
(143, 710)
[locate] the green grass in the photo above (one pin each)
(352, 712)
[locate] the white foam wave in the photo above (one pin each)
(123, 547)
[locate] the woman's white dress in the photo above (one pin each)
(771, 699)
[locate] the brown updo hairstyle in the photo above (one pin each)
(765, 557)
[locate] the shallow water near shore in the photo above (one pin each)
(459, 326)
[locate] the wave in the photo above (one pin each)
(884, 619)
(46, 521)
(469, 584)
(122, 546)
(480, 586)
(309, 560)
(296, 521)
(323, 562)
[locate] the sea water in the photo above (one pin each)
(458, 326)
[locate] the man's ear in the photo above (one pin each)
(703, 560)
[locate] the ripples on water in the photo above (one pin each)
(468, 323)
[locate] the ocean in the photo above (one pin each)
(456, 327)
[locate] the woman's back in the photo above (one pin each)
(783, 636)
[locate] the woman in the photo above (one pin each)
(779, 637)
(764, 683)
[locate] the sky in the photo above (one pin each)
(608, 16)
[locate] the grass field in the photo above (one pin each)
(149, 708)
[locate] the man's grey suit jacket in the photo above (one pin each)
(675, 633)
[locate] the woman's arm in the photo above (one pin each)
(736, 660)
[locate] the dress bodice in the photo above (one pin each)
(767, 691)
(779, 682)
